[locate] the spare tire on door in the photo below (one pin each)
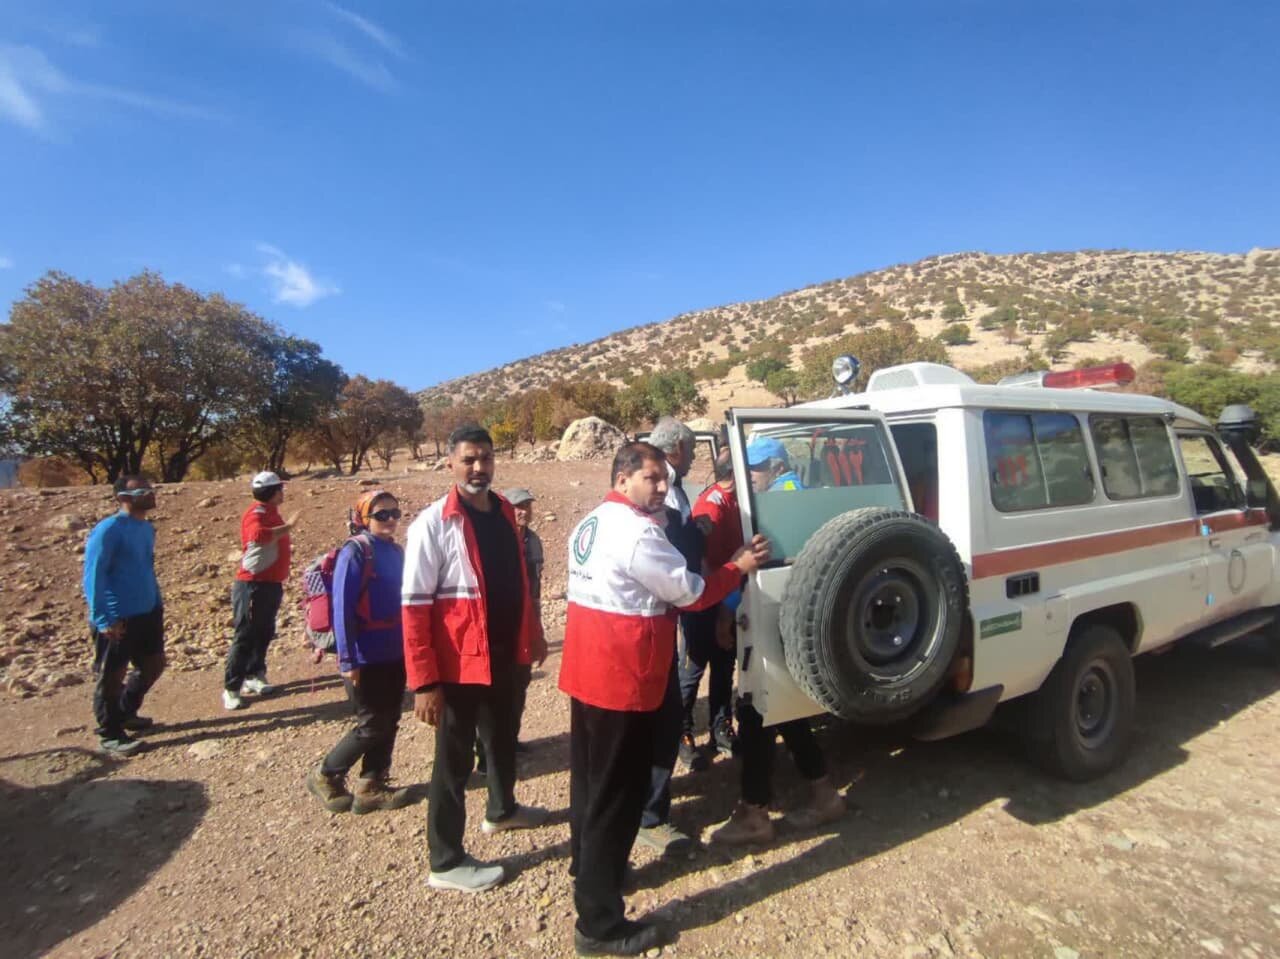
(871, 616)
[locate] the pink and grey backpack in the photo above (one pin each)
(317, 594)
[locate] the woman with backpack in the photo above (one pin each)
(366, 621)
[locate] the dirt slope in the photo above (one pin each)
(206, 845)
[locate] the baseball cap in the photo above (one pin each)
(764, 448)
(265, 479)
(518, 495)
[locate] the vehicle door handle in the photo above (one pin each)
(1215, 542)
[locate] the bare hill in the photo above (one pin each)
(1068, 306)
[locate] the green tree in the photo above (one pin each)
(303, 387)
(875, 349)
(759, 369)
(957, 334)
(784, 384)
(953, 310)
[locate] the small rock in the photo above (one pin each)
(1123, 843)
(205, 749)
(1213, 945)
(1065, 952)
(207, 502)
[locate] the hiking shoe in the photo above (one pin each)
(691, 755)
(136, 724)
(825, 805)
(373, 794)
(468, 876)
(666, 838)
(724, 739)
(122, 745)
(330, 790)
(525, 817)
(231, 700)
(747, 824)
(633, 939)
(257, 685)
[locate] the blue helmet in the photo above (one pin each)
(764, 448)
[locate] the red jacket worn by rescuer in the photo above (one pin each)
(626, 584)
(446, 635)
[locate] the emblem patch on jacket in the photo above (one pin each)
(585, 539)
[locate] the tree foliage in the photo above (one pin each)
(875, 349)
(145, 370)
(785, 385)
(759, 369)
(368, 410)
(303, 387)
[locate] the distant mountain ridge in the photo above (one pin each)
(1070, 307)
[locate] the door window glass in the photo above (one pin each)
(1135, 456)
(805, 473)
(1036, 461)
(1213, 486)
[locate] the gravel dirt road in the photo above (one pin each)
(207, 844)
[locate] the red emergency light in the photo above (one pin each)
(1109, 374)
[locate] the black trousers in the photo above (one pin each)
(700, 651)
(609, 764)
(667, 723)
(755, 746)
(119, 690)
(377, 702)
(253, 609)
(468, 710)
(524, 676)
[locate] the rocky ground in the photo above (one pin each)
(207, 845)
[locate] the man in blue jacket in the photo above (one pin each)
(126, 616)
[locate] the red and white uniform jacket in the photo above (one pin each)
(446, 636)
(626, 582)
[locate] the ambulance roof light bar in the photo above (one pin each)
(1089, 377)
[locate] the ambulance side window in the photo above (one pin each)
(1135, 455)
(1213, 487)
(1036, 461)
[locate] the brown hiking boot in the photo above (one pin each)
(825, 805)
(330, 790)
(372, 794)
(747, 824)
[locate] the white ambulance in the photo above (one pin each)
(942, 546)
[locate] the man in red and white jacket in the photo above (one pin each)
(468, 625)
(626, 584)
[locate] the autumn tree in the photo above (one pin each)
(369, 409)
(143, 371)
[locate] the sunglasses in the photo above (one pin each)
(383, 515)
(137, 493)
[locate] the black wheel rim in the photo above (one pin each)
(1095, 704)
(887, 617)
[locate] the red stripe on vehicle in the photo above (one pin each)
(1006, 561)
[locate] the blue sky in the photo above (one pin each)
(432, 189)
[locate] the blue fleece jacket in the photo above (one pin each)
(120, 570)
(358, 645)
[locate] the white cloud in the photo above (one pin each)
(235, 269)
(372, 73)
(28, 79)
(291, 282)
(6, 263)
(379, 35)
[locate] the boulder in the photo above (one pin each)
(590, 438)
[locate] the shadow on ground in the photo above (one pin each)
(900, 790)
(79, 844)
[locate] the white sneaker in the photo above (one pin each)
(468, 876)
(231, 700)
(258, 685)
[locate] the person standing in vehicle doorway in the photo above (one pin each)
(126, 616)
(770, 468)
(258, 589)
(709, 635)
(677, 443)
